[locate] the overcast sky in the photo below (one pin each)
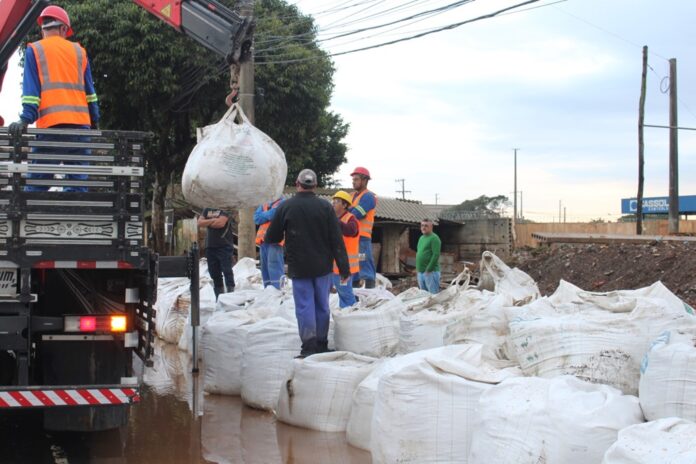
(560, 82)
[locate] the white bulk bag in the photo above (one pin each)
(592, 343)
(206, 308)
(564, 420)
(668, 378)
(247, 275)
(665, 441)
(170, 317)
(359, 428)
(424, 412)
(271, 346)
(426, 325)
(233, 165)
(515, 283)
(319, 393)
(223, 339)
(370, 331)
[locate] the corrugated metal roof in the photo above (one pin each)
(388, 209)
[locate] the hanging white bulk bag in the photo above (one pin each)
(319, 393)
(223, 339)
(513, 282)
(367, 330)
(563, 420)
(668, 378)
(424, 412)
(233, 165)
(271, 346)
(665, 441)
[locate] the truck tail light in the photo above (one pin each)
(102, 324)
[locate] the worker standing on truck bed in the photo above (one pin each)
(363, 208)
(271, 254)
(313, 242)
(57, 91)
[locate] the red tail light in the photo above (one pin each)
(105, 323)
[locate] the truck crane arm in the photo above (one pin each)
(208, 22)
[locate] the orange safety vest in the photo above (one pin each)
(61, 65)
(352, 248)
(261, 233)
(368, 221)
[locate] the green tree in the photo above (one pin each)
(481, 206)
(151, 78)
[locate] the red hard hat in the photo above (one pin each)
(362, 171)
(58, 13)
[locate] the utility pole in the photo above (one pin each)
(403, 190)
(521, 206)
(564, 215)
(514, 215)
(673, 150)
(559, 211)
(641, 144)
(436, 197)
(245, 71)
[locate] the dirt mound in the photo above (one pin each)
(619, 266)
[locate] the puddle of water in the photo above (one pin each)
(176, 422)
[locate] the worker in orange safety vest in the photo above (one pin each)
(57, 92)
(350, 228)
(364, 205)
(270, 254)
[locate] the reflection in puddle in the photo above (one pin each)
(165, 428)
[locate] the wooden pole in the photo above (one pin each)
(673, 150)
(247, 229)
(641, 145)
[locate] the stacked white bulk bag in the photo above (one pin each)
(359, 428)
(170, 373)
(599, 338)
(483, 321)
(271, 346)
(319, 393)
(563, 420)
(668, 378)
(247, 275)
(424, 412)
(206, 308)
(368, 330)
(665, 441)
(233, 165)
(223, 340)
(170, 315)
(517, 284)
(427, 324)
(237, 300)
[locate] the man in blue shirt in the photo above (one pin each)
(271, 254)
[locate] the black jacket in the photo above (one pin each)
(313, 238)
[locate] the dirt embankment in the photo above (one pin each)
(619, 266)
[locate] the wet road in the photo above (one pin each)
(177, 423)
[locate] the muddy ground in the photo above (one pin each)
(617, 266)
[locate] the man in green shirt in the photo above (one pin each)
(428, 258)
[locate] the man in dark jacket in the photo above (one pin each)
(313, 240)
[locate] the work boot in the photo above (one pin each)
(369, 283)
(323, 347)
(218, 291)
(309, 348)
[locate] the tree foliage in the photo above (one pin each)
(483, 205)
(151, 78)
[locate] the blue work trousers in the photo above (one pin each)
(312, 308)
(367, 265)
(272, 264)
(219, 265)
(429, 281)
(62, 151)
(346, 297)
